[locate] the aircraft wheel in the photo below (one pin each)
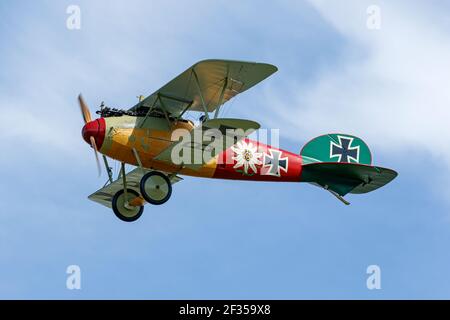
(123, 212)
(156, 187)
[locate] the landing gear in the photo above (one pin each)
(123, 206)
(155, 187)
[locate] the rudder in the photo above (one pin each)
(336, 147)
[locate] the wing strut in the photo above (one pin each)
(200, 93)
(225, 83)
(148, 113)
(108, 169)
(164, 109)
(138, 159)
(124, 179)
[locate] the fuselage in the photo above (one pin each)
(116, 137)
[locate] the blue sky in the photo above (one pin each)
(225, 239)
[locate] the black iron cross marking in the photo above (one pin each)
(275, 163)
(344, 150)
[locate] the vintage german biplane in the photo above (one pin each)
(143, 137)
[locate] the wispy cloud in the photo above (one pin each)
(46, 65)
(390, 86)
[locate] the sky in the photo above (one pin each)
(228, 239)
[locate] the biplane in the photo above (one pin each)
(143, 137)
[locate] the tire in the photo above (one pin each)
(155, 187)
(119, 209)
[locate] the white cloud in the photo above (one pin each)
(390, 87)
(118, 53)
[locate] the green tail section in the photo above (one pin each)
(336, 148)
(341, 164)
(343, 178)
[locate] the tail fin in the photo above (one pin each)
(336, 148)
(341, 164)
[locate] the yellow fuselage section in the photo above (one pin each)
(149, 137)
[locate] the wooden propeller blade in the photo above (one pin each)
(84, 109)
(94, 145)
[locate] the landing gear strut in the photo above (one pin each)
(127, 204)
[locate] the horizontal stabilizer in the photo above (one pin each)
(343, 178)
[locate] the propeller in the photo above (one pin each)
(87, 118)
(84, 109)
(94, 145)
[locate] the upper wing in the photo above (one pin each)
(216, 81)
(104, 195)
